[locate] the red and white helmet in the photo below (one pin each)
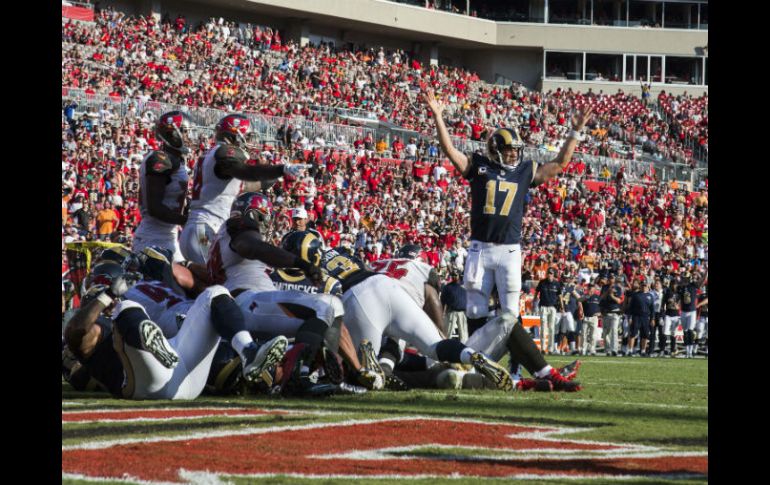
(254, 210)
(173, 129)
(235, 129)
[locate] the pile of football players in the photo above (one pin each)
(179, 315)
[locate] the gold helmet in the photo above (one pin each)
(503, 137)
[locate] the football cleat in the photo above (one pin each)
(537, 385)
(154, 342)
(562, 384)
(493, 371)
(395, 383)
(370, 360)
(370, 379)
(569, 371)
(262, 358)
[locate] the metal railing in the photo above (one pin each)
(266, 129)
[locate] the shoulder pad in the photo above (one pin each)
(230, 154)
(159, 163)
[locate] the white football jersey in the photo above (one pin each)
(154, 296)
(173, 198)
(229, 269)
(212, 197)
(410, 274)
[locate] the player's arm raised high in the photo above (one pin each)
(458, 159)
(549, 170)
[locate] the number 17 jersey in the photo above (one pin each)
(497, 199)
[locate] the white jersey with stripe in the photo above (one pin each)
(212, 197)
(154, 296)
(173, 198)
(229, 269)
(410, 274)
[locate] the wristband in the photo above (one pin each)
(104, 299)
(576, 135)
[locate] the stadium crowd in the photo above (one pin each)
(251, 69)
(368, 194)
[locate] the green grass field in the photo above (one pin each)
(662, 403)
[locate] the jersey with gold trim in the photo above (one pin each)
(295, 279)
(497, 199)
(348, 270)
(410, 274)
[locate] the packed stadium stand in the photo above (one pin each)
(635, 197)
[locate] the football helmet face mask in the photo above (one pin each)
(305, 245)
(118, 254)
(174, 129)
(505, 147)
(254, 210)
(155, 261)
(107, 275)
(235, 129)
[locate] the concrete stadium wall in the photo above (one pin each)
(612, 88)
(521, 65)
(493, 49)
(603, 39)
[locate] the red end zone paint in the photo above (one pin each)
(299, 450)
(159, 414)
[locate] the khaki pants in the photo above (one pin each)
(457, 320)
(610, 323)
(548, 320)
(589, 331)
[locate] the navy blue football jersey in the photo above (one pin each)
(104, 364)
(346, 269)
(294, 279)
(497, 199)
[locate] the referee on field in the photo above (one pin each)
(499, 184)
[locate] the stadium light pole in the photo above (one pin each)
(467, 7)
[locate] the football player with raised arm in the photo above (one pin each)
(499, 184)
(217, 181)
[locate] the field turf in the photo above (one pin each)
(661, 404)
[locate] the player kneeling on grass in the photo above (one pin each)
(129, 355)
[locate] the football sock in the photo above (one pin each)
(127, 324)
(240, 341)
(311, 333)
(465, 355)
(450, 350)
(387, 365)
(475, 324)
(522, 346)
(226, 317)
(544, 372)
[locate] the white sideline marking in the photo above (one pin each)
(293, 412)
